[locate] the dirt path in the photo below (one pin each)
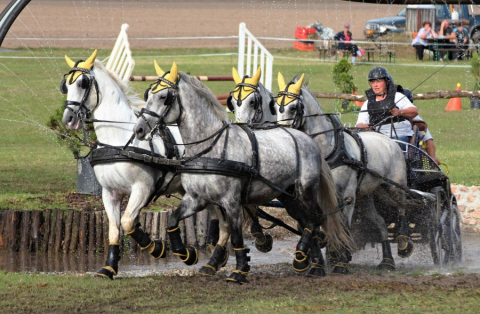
(89, 21)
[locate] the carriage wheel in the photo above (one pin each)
(456, 233)
(439, 227)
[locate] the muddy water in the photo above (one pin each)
(143, 265)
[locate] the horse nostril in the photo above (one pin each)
(139, 131)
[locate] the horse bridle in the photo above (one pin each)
(82, 112)
(300, 112)
(172, 95)
(257, 103)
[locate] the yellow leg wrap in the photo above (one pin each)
(148, 246)
(303, 254)
(173, 230)
(405, 239)
(110, 269)
(130, 232)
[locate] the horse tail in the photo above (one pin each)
(334, 224)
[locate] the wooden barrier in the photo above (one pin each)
(68, 231)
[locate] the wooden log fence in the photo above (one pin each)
(445, 94)
(69, 231)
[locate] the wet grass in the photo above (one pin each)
(33, 163)
(37, 293)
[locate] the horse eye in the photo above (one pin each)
(293, 108)
(163, 97)
(252, 103)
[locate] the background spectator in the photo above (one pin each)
(344, 39)
(419, 43)
(462, 36)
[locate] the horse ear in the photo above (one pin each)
(91, 60)
(256, 77)
(158, 69)
(70, 62)
(295, 88)
(281, 82)
(174, 72)
(235, 75)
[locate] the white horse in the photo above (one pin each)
(93, 90)
(298, 107)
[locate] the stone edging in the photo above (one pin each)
(468, 200)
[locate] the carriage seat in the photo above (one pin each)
(418, 126)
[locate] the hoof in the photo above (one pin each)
(237, 276)
(341, 269)
(264, 243)
(106, 272)
(386, 264)
(207, 270)
(159, 249)
(301, 262)
(405, 246)
(316, 270)
(191, 258)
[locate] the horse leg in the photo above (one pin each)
(405, 244)
(138, 199)
(112, 202)
(239, 275)
(317, 268)
(188, 206)
(374, 217)
(220, 254)
(263, 241)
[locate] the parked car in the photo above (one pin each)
(396, 24)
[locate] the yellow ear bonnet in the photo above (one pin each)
(171, 76)
(295, 89)
(85, 65)
(241, 90)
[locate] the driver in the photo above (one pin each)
(384, 101)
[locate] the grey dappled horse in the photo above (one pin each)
(85, 81)
(298, 107)
(251, 102)
(286, 159)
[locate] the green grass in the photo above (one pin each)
(33, 163)
(36, 293)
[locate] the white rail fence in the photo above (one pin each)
(120, 60)
(255, 53)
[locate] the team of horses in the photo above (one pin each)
(280, 147)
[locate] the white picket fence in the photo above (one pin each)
(251, 55)
(254, 55)
(120, 60)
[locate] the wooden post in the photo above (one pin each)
(46, 230)
(155, 216)
(98, 231)
(34, 245)
(91, 232)
(24, 231)
(75, 231)
(143, 219)
(59, 231)
(148, 224)
(106, 227)
(3, 214)
(14, 230)
(68, 230)
(190, 231)
(53, 224)
(83, 233)
(163, 225)
(202, 226)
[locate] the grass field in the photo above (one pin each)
(33, 164)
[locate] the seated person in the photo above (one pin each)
(344, 39)
(419, 43)
(384, 101)
(461, 35)
(445, 32)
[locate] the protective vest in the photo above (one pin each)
(378, 110)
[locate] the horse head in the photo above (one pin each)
(77, 85)
(290, 102)
(160, 99)
(249, 94)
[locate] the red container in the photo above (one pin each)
(302, 33)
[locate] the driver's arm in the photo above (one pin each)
(363, 118)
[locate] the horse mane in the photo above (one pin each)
(264, 91)
(132, 97)
(203, 91)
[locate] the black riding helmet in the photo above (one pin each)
(379, 73)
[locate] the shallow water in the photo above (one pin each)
(282, 252)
